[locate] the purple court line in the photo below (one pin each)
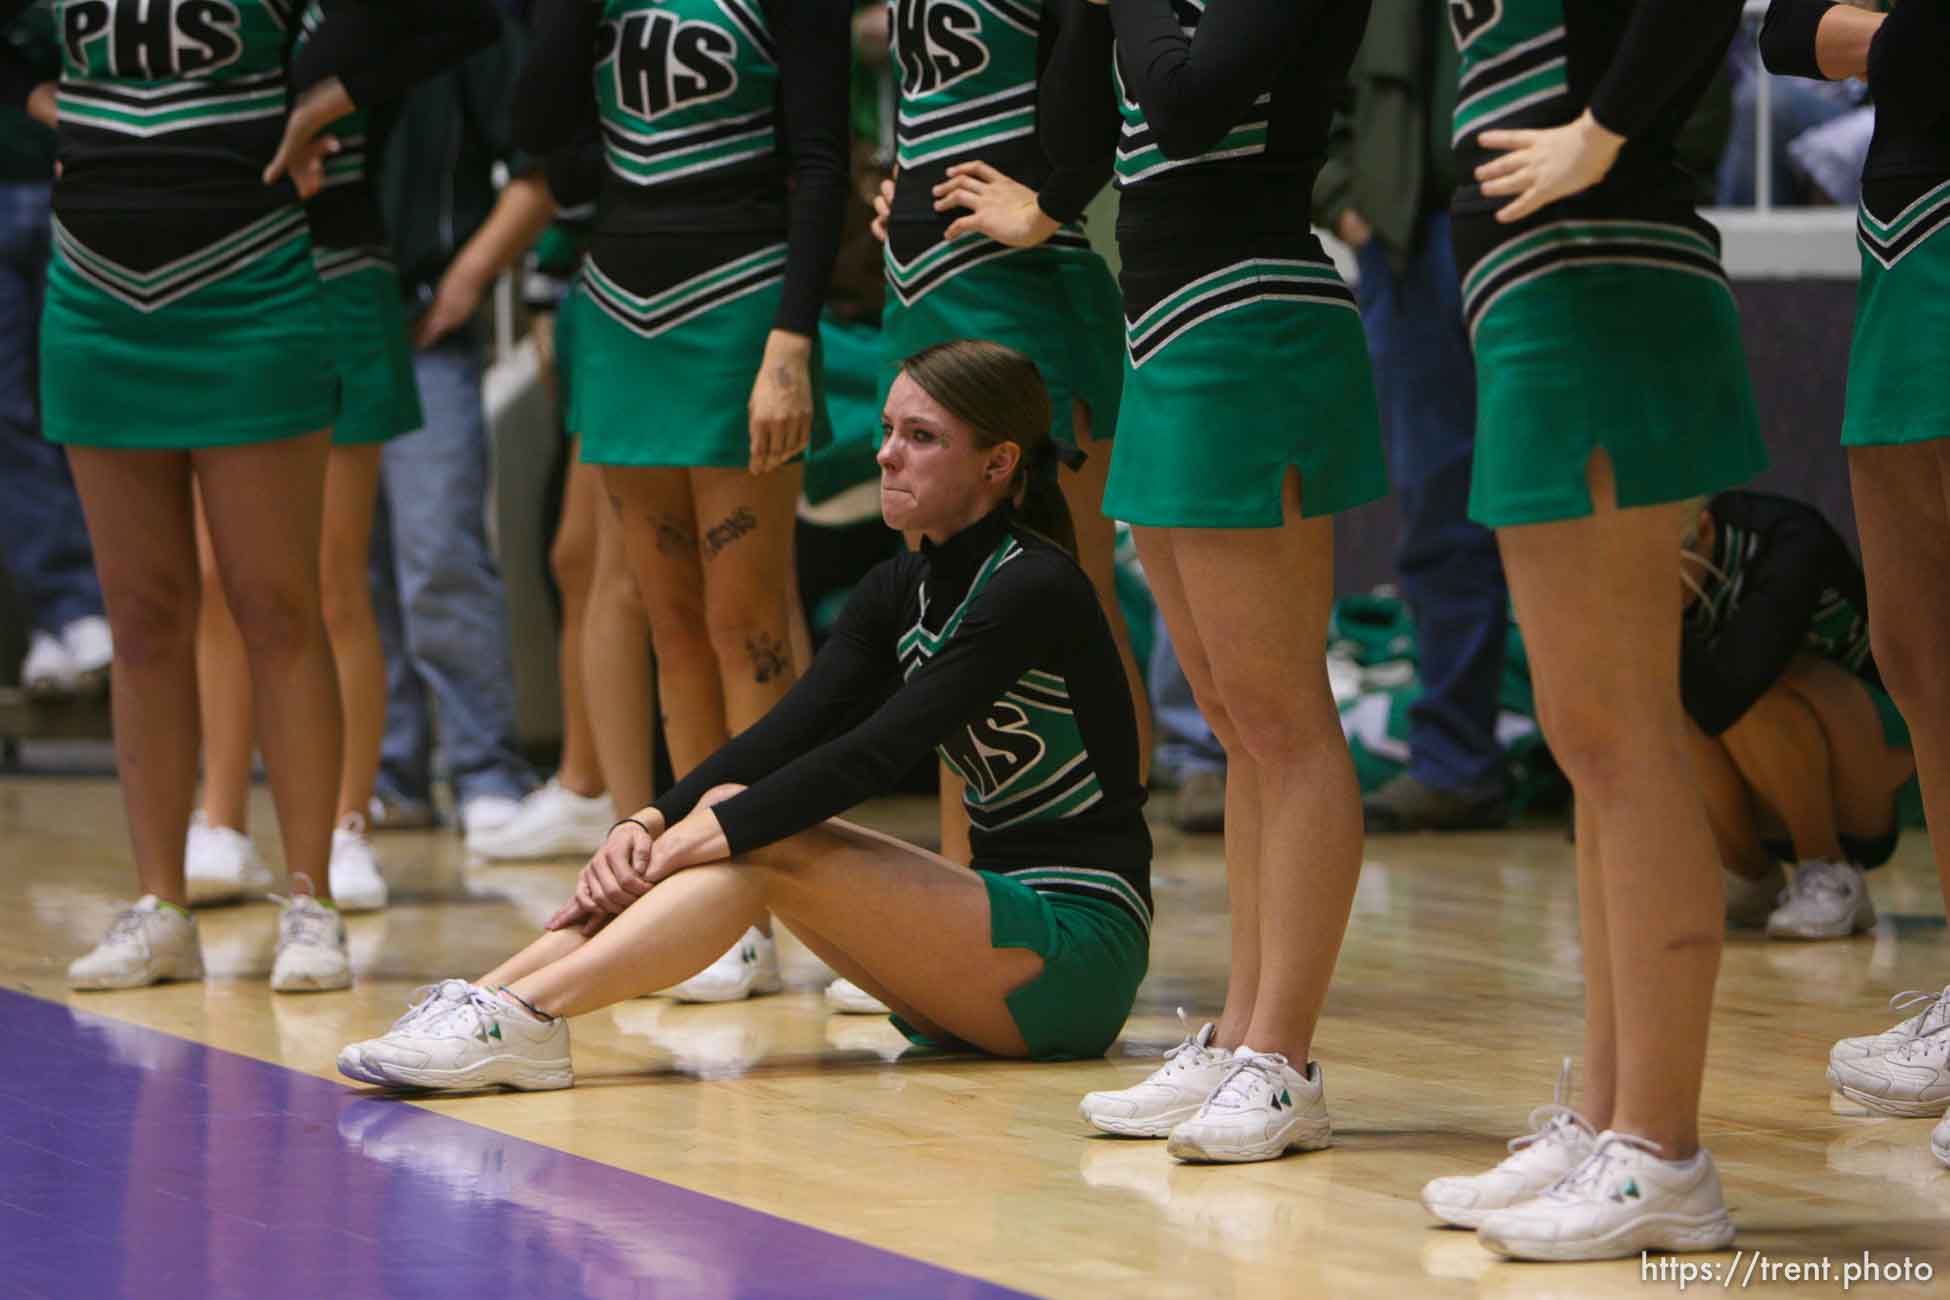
(135, 1163)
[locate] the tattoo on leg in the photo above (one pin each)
(674, 536)
(771, 657)
(739, 523)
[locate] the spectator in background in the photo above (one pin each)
(1795, 108)
(443, 613)
(43, 538)
(1188, 752)
(1385, 191)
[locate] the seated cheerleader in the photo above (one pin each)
(1801, 754)
(987, 645)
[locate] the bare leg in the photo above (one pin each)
(1600, 1006)
(351, 495)
(1157, 550)
(267, 543)
(1782, 754)
(1729, 807)
(572, 558)
(223, 689)
(1600, 615)
(141, 521)
(1902, 509)
(660, 531)
(744, 536)
(867, 894)
(552, 946)
(616, 667)
(1260, 599)
(1867, 773)
(1083, 492)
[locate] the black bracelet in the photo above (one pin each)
(631, 821)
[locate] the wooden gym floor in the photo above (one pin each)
(196, 1140)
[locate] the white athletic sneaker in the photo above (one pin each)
(487, 812)
(1623, 1199)
(90, 651)
(1827, 900)
(312, 952)
(1261, 1110)
(426, 1001)
(848, 998)
(552, 822)
(48, 668)
(1932, 1013)
(151, 942)
(221, 865)
(1192, 1071)
(1940, 1140)
(480, 1040)
(749, 969)
(1911, 1080)
(357, 885)
(1751, 902)
(1559, 1141)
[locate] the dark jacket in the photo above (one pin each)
(436, 184)
(27, 147)
(1383, 141)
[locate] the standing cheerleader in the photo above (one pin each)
(1248, 421)
(1004, 130)
(725, 143)
(1897, 431)
(183, 268)
(378, 401)
(1613, 393)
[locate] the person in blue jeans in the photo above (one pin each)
(1385, 191)
(438, 595)
(43, 537)
(1188, 752)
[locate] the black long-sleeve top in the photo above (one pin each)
(1198, 74)
(1019, 686)
(1782, 583)
(1909, 75)
(799, 190)
(1641, 67)
(1066, 160)
(345, 215)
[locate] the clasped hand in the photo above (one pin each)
(632, 860)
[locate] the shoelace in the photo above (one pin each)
(1829, 879)
(470, 1016)
(426, 998)
(1557, 1118)
(128, 926)
(1931, 1010)
(1186, 1054)
(1235, 1090)
(306, 921)
(1589, 1177)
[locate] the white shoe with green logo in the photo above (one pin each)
(466, 1042)
(1262, 1109)
(1558, 1142)
(1622, 1200)
(750, 969)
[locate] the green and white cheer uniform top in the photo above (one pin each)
(1640, 67)
(992, 651)
(1022, 85)
(170, 110)
(722, 122)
